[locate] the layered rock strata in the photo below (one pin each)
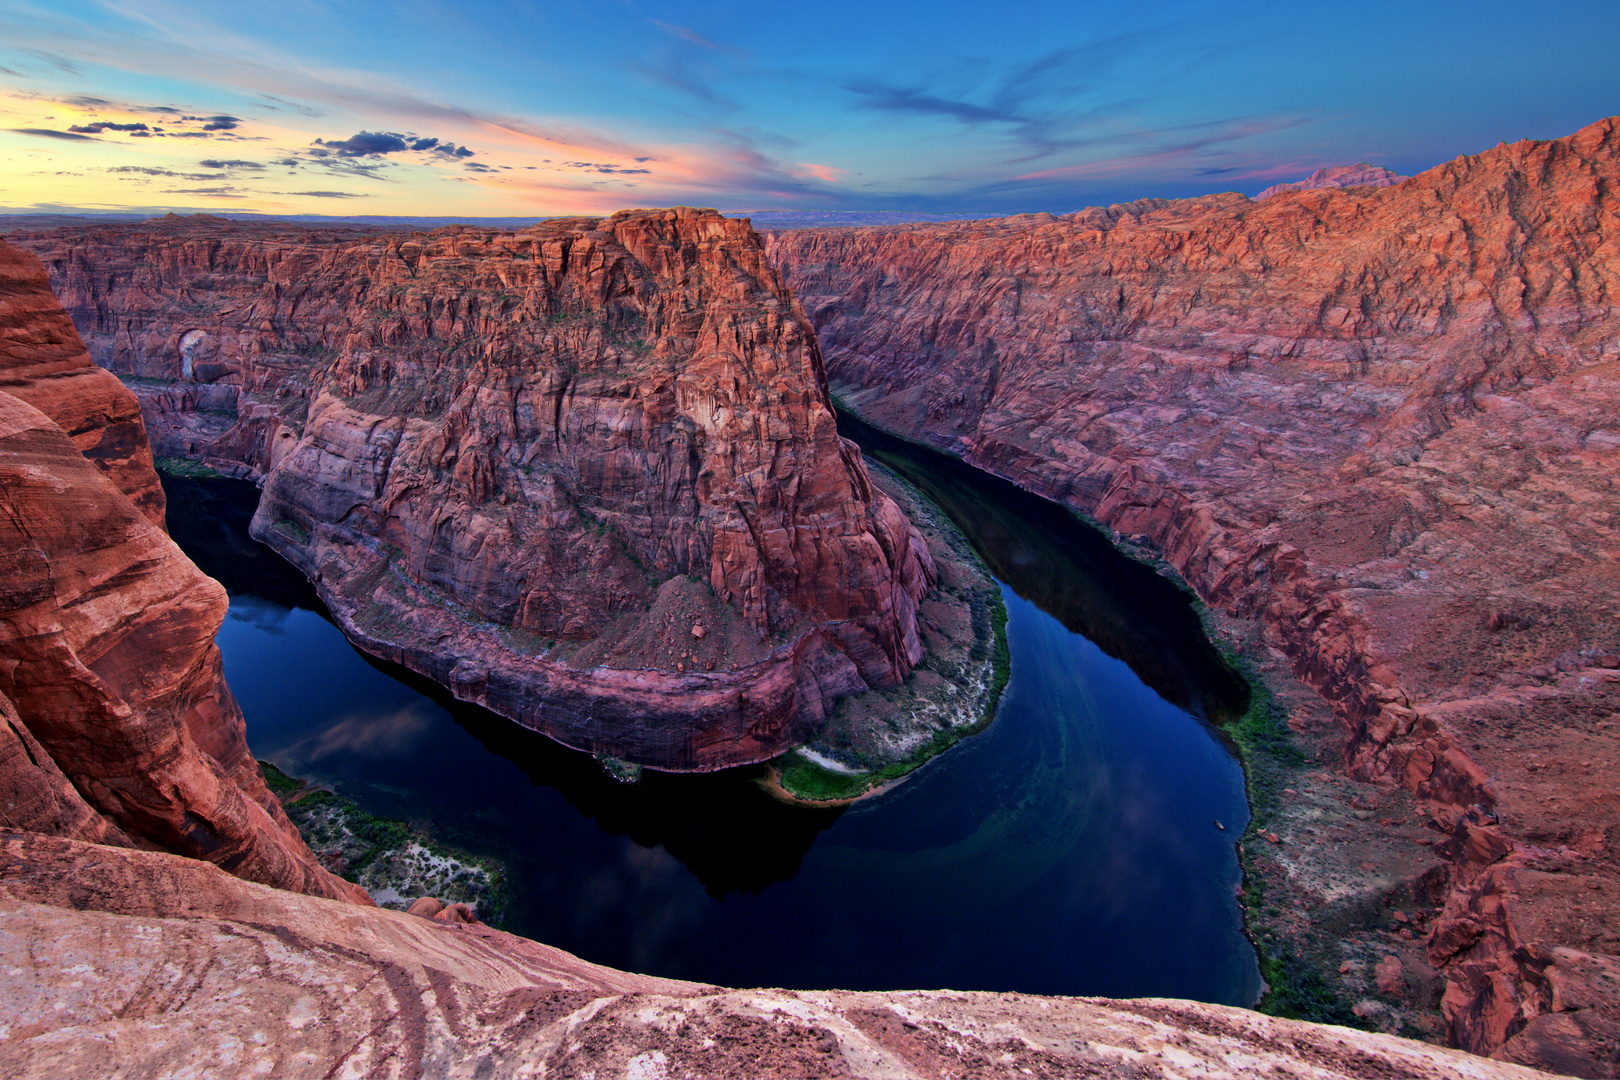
(116, 725)
(585, 475)
(1383, 422)
(1338, 176)
(157, 966)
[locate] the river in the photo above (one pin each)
(1071, 848)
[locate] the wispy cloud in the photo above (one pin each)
(51, 133)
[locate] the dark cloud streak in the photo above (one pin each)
(51, 133)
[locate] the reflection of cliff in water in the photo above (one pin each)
(208, 517)
(731, 834)
(1072, 572)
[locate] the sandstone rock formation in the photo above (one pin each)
(1338, 176)
(115, 721)
(44, 363)
(157, 966)
(524, 464)
(1385, 423)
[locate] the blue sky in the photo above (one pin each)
(513, 108)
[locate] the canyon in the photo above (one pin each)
(120, 736)
(118, 727)
(1374, 426)
(584, 475)
(1379, 424)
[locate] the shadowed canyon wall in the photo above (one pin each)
(585, 475)
(1383, 422)
(116, 725)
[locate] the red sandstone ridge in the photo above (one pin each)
(529, 465)
(1338, 176)
(44, 362)
(116, 725)
(1385, 423)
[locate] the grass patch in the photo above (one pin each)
(179, 466)
(292, 531)
(803, 779)
(389, 858)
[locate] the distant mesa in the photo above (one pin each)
(1338, 176)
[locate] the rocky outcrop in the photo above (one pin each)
(157, 966)
(585, 475)
(1338, 176)
(116, 725)
(1384, 422)
(44, 363)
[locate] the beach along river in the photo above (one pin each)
(1070, 848)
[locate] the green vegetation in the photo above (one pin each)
(292, 530)
(626, 772)
(178, 466)
(389, 858)
(804, 779)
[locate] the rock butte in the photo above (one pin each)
(528, 464)
(118, 730)
(1382, 422)
(1338, 176)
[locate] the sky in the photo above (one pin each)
(512, 108)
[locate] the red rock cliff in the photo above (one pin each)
(585, 474)
(116, 725)
(1386, 423)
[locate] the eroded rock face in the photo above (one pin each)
(44, 363)
(1338, 176)
(142, 964)
(527, 464)
(1383, 422)
(116, 725)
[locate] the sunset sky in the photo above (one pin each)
(529, 109)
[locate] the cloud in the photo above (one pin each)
(331, 194)
(282, 105)
(105, 125)
(684, 34)
(591, 166)
(212, 193)
(56, 60)
(365, 143)
(147, 170)
(50, 133)
(215, 163)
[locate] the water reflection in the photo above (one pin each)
(1068, 849)
(1073, 573)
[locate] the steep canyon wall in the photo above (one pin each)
(116, 725)
(585, 475)
(1385, 423)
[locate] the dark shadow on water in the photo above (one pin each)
(731, 833)
(1073, 573)
(727, 829)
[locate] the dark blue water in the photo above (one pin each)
(1069, 849)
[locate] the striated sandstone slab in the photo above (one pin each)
(1383, 422)
(494, 453)
(154, 965)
